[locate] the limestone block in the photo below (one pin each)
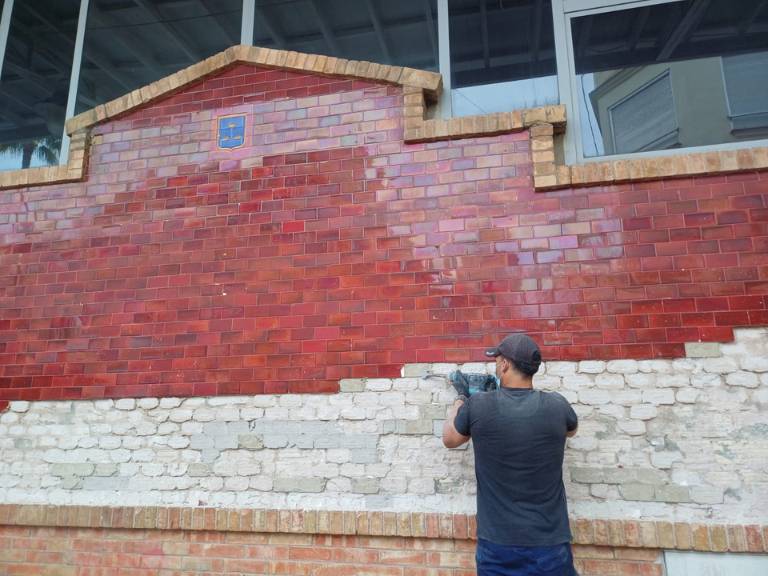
(148, 403)
(591, 366)
(665, 459)
(298, 484)
(637, 492)
(655, 366)
(352, 385)
(724, 365)
(608, 381)
(672, 493)
(594, 397)
(643, 411)
(415, 370)
(687, 395)
(561, 368)
(364, 485)
(169, 403)
(547, 382)
(750, 363)
(743, 378)
(658, 396)
(707, 494)
(180, 415)
(622, 366)
(705, 380)
(586, 475)
(702, 349)
(80, 469)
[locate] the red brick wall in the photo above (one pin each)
(326, 248)
(86, 552)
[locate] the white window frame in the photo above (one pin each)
(563, 12)
(74, 78)
(246, 37)
(5, 24)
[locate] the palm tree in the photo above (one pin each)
(45, 149)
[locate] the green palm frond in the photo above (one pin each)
(45, 149)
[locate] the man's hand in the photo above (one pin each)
(451, 438)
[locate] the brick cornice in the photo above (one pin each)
(616, 533)
(429, 82)
(418, 86)
(549, 175)
(72, 171)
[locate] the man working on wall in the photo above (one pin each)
(519, 437)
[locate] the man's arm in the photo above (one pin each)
(451, 437)
(572, 433)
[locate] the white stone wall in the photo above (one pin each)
(677, 440)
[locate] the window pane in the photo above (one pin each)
(34, 82)
(502, 55)
(398, 32)
(132, 43)
(746, 83)
(679, 74)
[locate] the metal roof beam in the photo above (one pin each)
(181, 43)
(326, 29)
(750, 19)
(277, 37)
(205, 5)
(431, 29)
(379, 31)
(538, 9)
(99, 61)
(484, 34)
(680, 34)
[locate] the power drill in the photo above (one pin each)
(468, 384)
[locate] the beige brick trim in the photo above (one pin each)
(79, 126)
(547, 175)
(73, 171)
(617, 533)
(418, 85)
(430, 82)
(420, 129)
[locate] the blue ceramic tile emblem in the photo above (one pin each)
(231, 131)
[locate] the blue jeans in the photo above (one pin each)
(499, 560)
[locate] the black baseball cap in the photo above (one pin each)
(521, 349)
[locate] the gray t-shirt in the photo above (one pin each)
(518, 437)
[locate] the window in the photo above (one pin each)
(746, 84)
(399, 32)
(636, 76)
(645, 119)
(654, 76)
(502, 55)
(34, 82)
(132, 43)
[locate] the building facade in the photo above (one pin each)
(231, 292)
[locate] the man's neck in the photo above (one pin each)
(518, 384)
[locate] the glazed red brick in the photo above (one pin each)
(89, 552)
(326, 248)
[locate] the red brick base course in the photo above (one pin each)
(133, 541)
(97, 552)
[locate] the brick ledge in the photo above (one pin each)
(548, 175)
(618, 533)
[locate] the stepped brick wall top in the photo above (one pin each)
(326, 248)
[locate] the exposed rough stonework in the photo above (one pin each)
(683, 440)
